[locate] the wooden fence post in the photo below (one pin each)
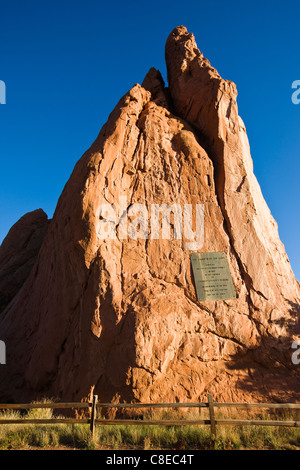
(93, 414)
(212, 415)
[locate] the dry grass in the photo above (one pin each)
(77, 436)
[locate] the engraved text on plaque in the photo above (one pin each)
(212, 276)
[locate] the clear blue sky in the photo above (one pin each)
(67, 63)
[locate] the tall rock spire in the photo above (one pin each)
(118, 314)
(208, 103)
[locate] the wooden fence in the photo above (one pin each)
(210, 404)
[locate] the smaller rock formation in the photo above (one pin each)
(18, 253)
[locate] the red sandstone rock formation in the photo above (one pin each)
(18, 253)
(120, 316)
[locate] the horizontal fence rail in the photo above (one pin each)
(94, 405)
(29, 406)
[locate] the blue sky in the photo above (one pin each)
(67, 63)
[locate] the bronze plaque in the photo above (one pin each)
(212, 276)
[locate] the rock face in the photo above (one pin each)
(119, 316)
(18, 253)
